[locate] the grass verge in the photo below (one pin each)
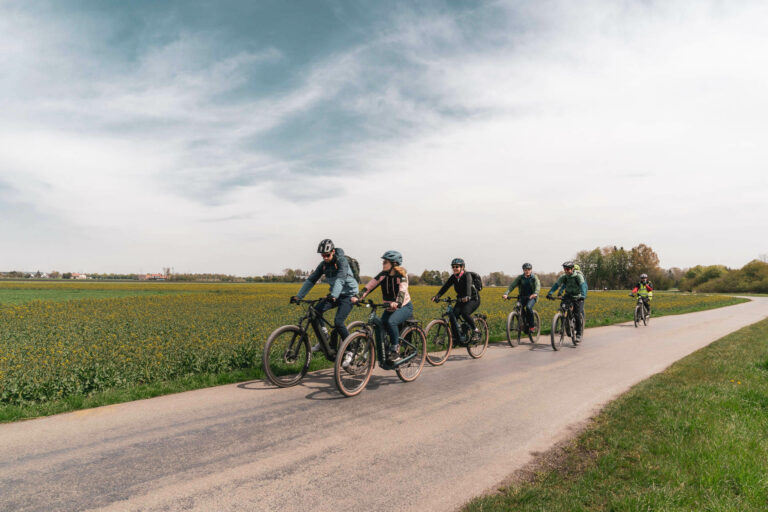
(694, 437)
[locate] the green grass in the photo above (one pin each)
(694, 437)
(24, 295)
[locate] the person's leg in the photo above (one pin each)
(345, 307)
(393, 323)
(454, 324)
(528, 311)
(579, 310)
(467, 308)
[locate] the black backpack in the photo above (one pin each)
(477, 281)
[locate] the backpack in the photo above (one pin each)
(477, 281)
(354, 266)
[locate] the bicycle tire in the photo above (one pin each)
(351, 381)
(513, 329)
(558, 331)
(439, 337)
(409, 371)
(282, 369)
(477, 349)
(537, 325)
(637, 315)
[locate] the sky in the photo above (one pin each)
(233, 136)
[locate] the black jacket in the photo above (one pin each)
(462, 286)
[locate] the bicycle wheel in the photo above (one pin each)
(513, 329)
(352, 379)
(572, 330)
(286, 356)
(413, 341)
(534, 337)
(439, 342)
(476, 349)
(558, 331)
(637, 315)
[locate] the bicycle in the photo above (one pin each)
(517, 324)
(440, 335)
(287, 353)
(363, 347)
(564, 323)
(642, 310)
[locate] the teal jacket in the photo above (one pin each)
(528, 285)
(575, 284)
(337, 273)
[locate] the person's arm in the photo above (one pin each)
(536, 285)
(635, 289)
(468, 277)
(513, 285)
(402, 292)
(371, 285)
(445, 286)
(582, 284)
(556, 285)
(310, 282)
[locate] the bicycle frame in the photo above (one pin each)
(375, 328)
(312, 317)
(446, 312)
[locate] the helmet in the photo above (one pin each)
(576, 267)
(643, 276)
(568, 264)
(393, 256)
(527, 266)
(325, 246)
(457, 261)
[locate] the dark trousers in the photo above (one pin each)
(578, 309)
(392, 321)
(528, 304)
(344, 303)
(465, 310)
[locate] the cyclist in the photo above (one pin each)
(645, 289)
(467, 298)
(529, 285)
(577, 270)
(393, 279)
(574, 286)
(343, 286)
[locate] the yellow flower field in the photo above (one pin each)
(52, 349)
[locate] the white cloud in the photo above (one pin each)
(519, 131)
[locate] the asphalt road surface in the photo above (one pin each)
(432, 444)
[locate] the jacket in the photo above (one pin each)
(337, 273)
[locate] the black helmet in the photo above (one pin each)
(643, 276)
(568, 264)
(527, 266)
(393, 256)
(457, 261)
(325, 246)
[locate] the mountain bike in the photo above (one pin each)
(363, 347)
(287, 352)
(564, 322)
(440, 336)
(517, 324)
(642, 310)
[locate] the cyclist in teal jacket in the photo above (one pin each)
(574, 286)
(529, 285)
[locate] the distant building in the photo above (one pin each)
(152, 277)
(77, 275)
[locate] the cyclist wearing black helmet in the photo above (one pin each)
(574, 286)
(343, 285)
(529, 285)
(393, 279)
(467, 297)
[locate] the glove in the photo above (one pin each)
(294, 300)
(330, 297)
(549, 296)
(434, 299)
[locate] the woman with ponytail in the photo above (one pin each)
(394, 288)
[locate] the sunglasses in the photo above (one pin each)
(455, 266)
(326, 255)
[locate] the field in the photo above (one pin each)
(141, 334)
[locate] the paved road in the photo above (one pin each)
(428, 445)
